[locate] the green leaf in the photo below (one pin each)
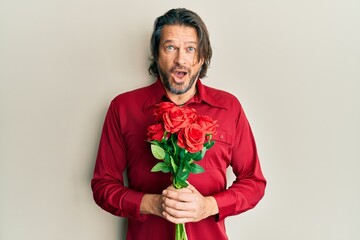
(179, 183)
(182, 153)
(161, 167)
(157, 152)
(200, 155)
(167, 158)
(184, 175)
(195, 156)
(209, 145)
(173, 164)
(187, 166)
(195, 168)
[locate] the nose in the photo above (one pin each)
(180, 57)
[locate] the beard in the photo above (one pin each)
(177, 88)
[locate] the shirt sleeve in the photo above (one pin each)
(249, 186)
(107, 184)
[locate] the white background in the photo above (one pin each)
(294, 65)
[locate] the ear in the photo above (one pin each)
(201, 62)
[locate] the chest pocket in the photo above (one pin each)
(219, 156)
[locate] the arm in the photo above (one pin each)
(249, 185)
(107, 184)
(151, 204)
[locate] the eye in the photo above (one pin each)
(191, 49)
(170, 48)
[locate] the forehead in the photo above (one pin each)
(178, 33)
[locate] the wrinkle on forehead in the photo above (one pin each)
(179, 33)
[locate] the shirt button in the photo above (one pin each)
(221, 136)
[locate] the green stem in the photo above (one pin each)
(174, 144)
(180, 232)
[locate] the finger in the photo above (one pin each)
(178, 212)
(175, 219)
(180, 209)
(184, 195)
(171, 187)
(175, 203)
(178, 220)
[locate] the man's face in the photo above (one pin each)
(178, 63)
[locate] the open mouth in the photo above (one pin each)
(179, 74)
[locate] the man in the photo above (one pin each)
(181, 54)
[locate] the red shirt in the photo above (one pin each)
(123, 146)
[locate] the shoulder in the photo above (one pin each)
(222, 98)
(132, 94)
(138, 97)
(215, 92)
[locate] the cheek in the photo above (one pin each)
(165, 59)
(164, 65)
(196, 68)
(196, 64)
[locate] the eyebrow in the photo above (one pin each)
(187, 42)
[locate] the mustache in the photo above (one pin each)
(179, 68)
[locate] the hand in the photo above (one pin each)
(187, 205)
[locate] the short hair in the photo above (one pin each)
(183, 17)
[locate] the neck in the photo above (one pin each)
(181, 99)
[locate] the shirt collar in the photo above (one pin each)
(204, 94)
(209, 95)
(157, 93)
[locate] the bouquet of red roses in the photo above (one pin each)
(179, 138)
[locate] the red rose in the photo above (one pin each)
(191, 138)
(178, 118)
(207, 124)
(190, 114)
(155, 132)
(161, 108)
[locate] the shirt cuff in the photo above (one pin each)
(226, 202)
(131, 204)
